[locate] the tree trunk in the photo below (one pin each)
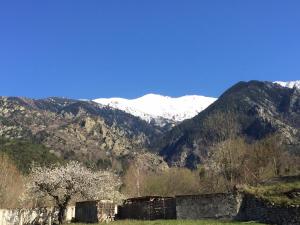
(61, 213)
(62, 206)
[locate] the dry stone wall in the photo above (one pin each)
(41, 216)
(216, 206)
(234, 206)
(260, 210)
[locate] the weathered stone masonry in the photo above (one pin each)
(217, 206)
(256, 209)
(43, 216)
(148, 208)
(95, 211)
(181, 207)
(235, 206)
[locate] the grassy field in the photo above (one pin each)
(177, 222)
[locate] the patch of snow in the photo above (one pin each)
(154, 107)
(289, 84)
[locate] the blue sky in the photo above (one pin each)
(89, 49)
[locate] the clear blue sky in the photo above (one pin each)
(126, 48)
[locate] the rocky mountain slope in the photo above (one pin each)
(251, 109)
(104, 136)
(160, 110)
(80, 130)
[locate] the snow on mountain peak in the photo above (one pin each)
(156, 107)
(289, 84)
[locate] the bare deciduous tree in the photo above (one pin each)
(221, 126)
(228, 161)
(172, 182)
(11, 183)
(237, 162)
(134, 179)
(62, 183)
(140, 167)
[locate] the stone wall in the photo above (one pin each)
(216, 206)
(260, 210)
(33, 216)
(95, 211)
(148, 208)
(234, 206)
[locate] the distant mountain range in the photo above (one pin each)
(159, 109)
(163, 110)
(111, 132)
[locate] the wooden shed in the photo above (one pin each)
(148, 208)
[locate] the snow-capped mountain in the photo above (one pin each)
(289, 84)
(153, 107)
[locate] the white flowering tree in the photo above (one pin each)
(62, 183)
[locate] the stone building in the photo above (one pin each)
(234, 206)
(95, 211)
(148, 208)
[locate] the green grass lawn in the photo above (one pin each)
(177, 222)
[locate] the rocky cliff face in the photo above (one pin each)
(250, 109)
(79, 130)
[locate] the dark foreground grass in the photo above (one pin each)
(177, 222)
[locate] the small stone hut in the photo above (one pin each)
(148, 208)
(95, 211)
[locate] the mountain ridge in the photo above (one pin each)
(100, 134)
(253, 109)
(160, 109)
(78, 130)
